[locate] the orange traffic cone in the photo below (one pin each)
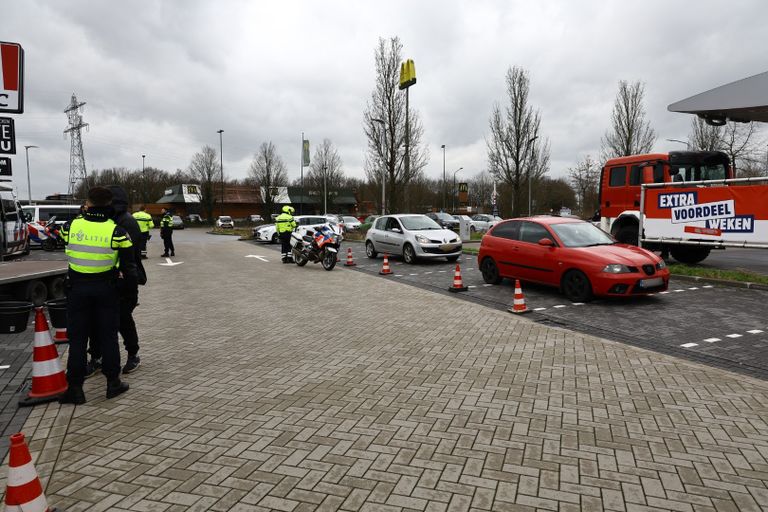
(385, 270)
(350, 260)
(518, 306)
(48, 379)
(24, 491)
(60, 335)
(458, 284)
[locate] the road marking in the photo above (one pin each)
(708, 286)
(471, 286)
(5, 367)
(425, 273)
(689, 345)
(733, 335)
(694, 288)
(487, 285)
(755, 331)
(712, 340)
(663, 293)
(539, 309)
(442, 271)
(681, 290)
(469, 269)
(169, 263)
(559, 306)
(260, 258)
(577, 303)
(413, 274)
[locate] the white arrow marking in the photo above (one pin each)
(169, 263)
(261, 258)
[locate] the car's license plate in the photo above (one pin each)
(651, 283)
(448, 247)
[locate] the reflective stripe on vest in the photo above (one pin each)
(90, 246)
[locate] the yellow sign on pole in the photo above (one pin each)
(407, 74)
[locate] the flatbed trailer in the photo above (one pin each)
(33, 281)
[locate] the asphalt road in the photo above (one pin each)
(752, 260)
(722, 326)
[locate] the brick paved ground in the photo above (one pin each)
(268, 387)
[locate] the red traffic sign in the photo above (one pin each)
(11, 78)
(7, 136)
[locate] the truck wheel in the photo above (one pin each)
(56, 287)
(690, 255)
(35, 292)
(627, 234)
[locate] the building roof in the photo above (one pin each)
(744, 100)
(183, 193)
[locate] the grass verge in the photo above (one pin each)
(716, 273)
(244, 233)
(470, 250)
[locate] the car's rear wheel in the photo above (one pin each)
(490, 271)
(409, 255)
(576, 286)
(370, 250)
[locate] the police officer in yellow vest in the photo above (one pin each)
(284, 225)
(99, 253)
(145, 224)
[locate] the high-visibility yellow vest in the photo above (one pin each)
(144, 220)
(166, 221)
(285, 223)
(91, 247)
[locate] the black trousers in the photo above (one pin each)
(168, 245)
(143, 241)
(285, 244)
(127, 329)
(93, 308)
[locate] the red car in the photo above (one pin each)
(577, 257)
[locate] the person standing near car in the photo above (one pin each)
(284, 225)
(99, 253)
(166, 233)
(145, 224)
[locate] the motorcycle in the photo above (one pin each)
(320, 247)
(54, 240)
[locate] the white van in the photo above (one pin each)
(38, 216)
(14, 238)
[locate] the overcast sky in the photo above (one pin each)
(161, 77)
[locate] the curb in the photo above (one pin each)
(721, 282)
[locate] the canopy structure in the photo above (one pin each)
(741, 101)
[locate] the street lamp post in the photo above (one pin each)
(453, 195)
(325, 191)
(687, 144)
(144, 179)
(443, 146)
(221, 165)
(528, 145)
(383, 143)
(29, 181)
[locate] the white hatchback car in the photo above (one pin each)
(414, 236)
(268, 232)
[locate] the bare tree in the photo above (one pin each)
(630, 133)
(585, 178)
(268, 171)
(705, 137)
(325, 168)
(740, 142)
(205, 169)
(386, 143)
(480, 190)
(515, 152)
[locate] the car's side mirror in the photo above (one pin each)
(397, 230)
(546, 242)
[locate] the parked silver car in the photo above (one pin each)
(414, 236)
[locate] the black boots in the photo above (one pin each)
(116, 387)
(73, 395)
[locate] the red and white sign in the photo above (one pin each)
(735, 213)
(11, 78)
